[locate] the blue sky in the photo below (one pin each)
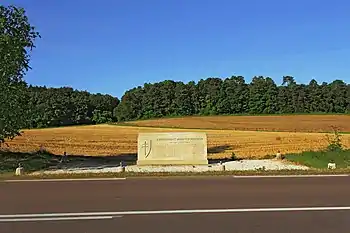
(110, 46)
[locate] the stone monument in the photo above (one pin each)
(173, 148)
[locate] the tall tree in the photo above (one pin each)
(183, 101)
(130, 107)
(209, 95)
(337, 96)
(348, 99)
(263, 96)
(17, 37)
(314, 100)
(234, 96)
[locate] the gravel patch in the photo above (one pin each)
(266, 164)
(80, 170)
(243, 165)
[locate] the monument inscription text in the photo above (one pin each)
(172, 148)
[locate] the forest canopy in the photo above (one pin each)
(211, 96)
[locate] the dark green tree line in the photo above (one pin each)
(50, 107)
(215, 96)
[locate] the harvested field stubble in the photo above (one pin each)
(122, 140)
(293, 123)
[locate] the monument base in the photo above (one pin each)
(171, 162)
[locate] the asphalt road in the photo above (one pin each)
(206, 205)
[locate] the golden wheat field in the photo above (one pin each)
(291, 123)
(118, 140)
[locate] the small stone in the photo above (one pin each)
(331, 166)
(279, 155)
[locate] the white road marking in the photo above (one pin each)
(57, 219)
(72, 179)
(193, 211)
(291, 176)
(124, 178)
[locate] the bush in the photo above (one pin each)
(334, 143)
(233, 157)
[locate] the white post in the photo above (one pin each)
(19, 170)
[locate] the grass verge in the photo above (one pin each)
(320, 159)
(30, 161)
(36, 161)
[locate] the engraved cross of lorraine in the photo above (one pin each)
(146, 145)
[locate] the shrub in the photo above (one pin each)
(334, 143)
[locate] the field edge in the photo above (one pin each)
(131, 125)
